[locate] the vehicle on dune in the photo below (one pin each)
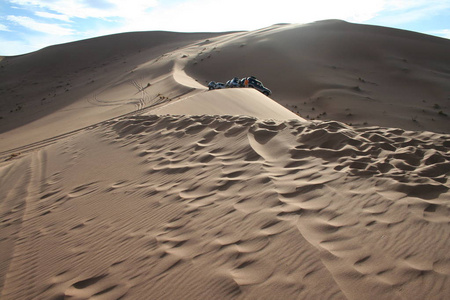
(256, 84)
(216, 85)
(233, 83)
(244, 82)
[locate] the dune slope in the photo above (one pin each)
(329, 70)
(70, 86)
(228, 207)
(334, 70)
(237, 101)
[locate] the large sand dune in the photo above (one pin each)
(133, 181)
(66, 87)
(333, 70)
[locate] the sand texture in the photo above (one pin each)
(333, 70)
(139, 183)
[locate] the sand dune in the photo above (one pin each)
(334, 70)
(137, 182)
(70, 86)
(247, 102)
(329, 70)
(229, 207)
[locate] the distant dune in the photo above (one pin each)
(63, 79)
(123, 177)
(334, 70)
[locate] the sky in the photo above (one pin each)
(29, 25)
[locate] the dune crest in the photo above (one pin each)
(334, 70)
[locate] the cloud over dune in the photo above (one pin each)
(79, 19)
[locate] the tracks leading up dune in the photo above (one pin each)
(68, 87)
(383, 77)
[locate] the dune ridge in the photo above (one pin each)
(335, 70)
(402, 76)
(71, 86)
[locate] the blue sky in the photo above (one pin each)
(29, 25)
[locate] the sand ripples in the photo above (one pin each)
(231, 207)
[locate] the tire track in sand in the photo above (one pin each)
(14, 184)
(24, 266)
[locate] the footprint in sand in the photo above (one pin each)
(83, 190)
(94, 286)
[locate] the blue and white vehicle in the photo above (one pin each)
(244, 82)
(235, 82)
(216, 85)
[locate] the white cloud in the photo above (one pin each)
(29, 43)
(207, 15)
(445, 33)
(52, 16)
(4, 28)
(52, 29)
(94, 9)
(397, 12)
(10, 48)
(415, 4)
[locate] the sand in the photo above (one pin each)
(145, 185)
(333, 70)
